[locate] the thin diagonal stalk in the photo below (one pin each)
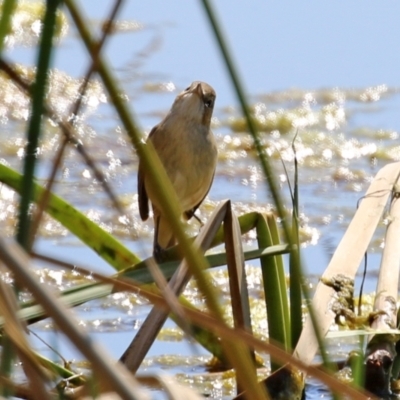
(266, 167)
(238, 356)
(66, 127)
(113, 376)
(207, 321)
(149, 330)
(151, 162)
(74, 112)
(168, 198)
(265, 164)
(95, 55)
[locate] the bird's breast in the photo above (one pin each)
(189, 157)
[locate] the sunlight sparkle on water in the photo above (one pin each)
(373, 93)
(334, 116)
(86, 174)
(159, 87)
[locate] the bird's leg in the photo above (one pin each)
(198, 220)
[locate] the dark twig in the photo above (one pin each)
(66, 128)
(74, 113)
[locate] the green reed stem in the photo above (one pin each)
(39, 88)
(195, 261)
(38, 93)
(275, 289)
(296, 277)
(295, 267)
(265, 164)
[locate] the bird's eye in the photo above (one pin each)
(187, 88)
(208, 103)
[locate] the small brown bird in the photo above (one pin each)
(186, 147)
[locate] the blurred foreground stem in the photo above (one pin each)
(38, 93)
(168, 198)
(39, 88)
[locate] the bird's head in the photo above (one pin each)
(196, 102)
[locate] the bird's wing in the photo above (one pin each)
(189, 213)
(143, 198)
(142, 195)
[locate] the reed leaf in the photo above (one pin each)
(39, 88)
(104, 244)
(275, 290)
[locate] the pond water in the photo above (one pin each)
(344, 136)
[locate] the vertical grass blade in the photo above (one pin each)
(281, 278)
(39, 88)
(274, 287)
(296, 276)
(38, 93)
(233, 74)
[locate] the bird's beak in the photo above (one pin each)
(198, 89)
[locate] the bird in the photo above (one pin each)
(188, 151)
